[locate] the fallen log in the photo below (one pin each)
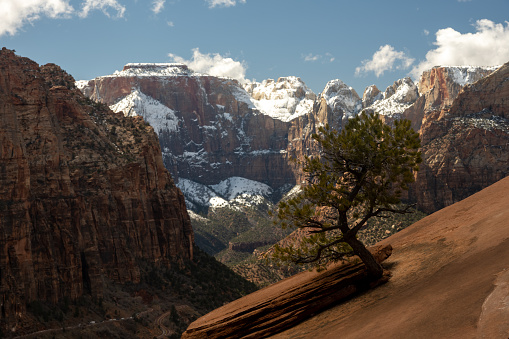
(288, 302)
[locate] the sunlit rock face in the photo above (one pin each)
(210, 128)
(214, 129)
(465, 140)
(439, 87)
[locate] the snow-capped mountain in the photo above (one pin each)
(153, 70)
(209, 127)
(214, 129)
(284, 99)
(395, 100)
(340, 97)
(234, 192)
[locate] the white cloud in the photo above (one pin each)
(14, 14)
(158, 6)
(214, 64)
(170, 23)
(310, 57)
(426, 32)
(224, 3)
(488, 46)
(103, 5)
(385, 59)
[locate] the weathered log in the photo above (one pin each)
(288, 302)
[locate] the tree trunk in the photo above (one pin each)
(374, 269)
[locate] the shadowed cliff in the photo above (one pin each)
(83, 192)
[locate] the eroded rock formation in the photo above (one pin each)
(439, 87)
(210, 129)
(465, 146)
(83, 192)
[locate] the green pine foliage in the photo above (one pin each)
(360, 174)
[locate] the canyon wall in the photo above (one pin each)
(83, 192)
(214, 128)
(465, 140)
(209, 128)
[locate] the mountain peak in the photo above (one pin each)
(340, 96)
(153, 69)
(284, 99)
(396, 98)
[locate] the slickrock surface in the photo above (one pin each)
(286, 303)
(449, 279)
(83, 192)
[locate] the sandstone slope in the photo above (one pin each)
(282, 305)
(449, 279)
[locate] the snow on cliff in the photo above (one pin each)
(159, 116)
(167, 71)
(284, 99)
(233, 192)
(197, 193)
(396, 98)
(152, 69)
(464, 75)
(339, 96)
(234, 186)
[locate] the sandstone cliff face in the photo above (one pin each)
(212, 129)
(465, 145)
(215, 133)
(83, 192)
(439, 87)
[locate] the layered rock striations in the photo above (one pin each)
(439, 87)
(285, 304)
(83, 192)
(465, 145)
(210, 129)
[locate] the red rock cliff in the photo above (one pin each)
(465, 146)
(83, 192)
(439, 87)
(217, 133)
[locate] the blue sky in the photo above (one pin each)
(359, 42)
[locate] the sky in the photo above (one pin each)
(360, 42)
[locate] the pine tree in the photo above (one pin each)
(360, 173)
